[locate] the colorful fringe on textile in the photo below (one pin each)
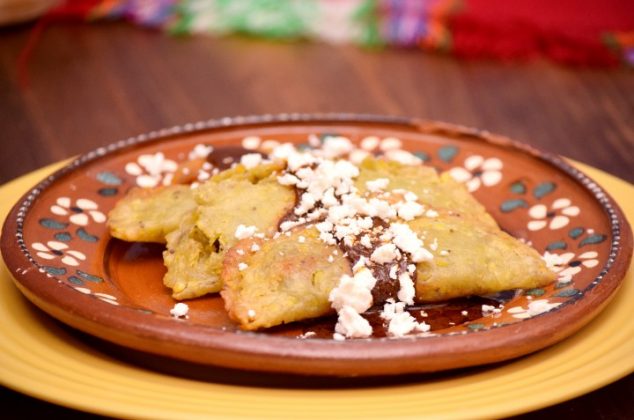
(594, 32)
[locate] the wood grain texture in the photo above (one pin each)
(94, 84)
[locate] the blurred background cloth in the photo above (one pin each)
(577, 32)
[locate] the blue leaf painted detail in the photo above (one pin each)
(475, 326)
(63, 236)
(422, 156)
(535, 292)
(510, 205)
(447, 153)
(81, 233)
(556, 245)
(53, 224)
(567, 293)
(574, 233)
(108, 192)
(592, 239)
(75, 280)
(55, 271)
(544, 189)
(109, 178)
(518, 187)
(89, 277)
(562, 284)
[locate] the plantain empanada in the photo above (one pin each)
(287, 279)
(193, 262)
(471, 258)
(148, 215)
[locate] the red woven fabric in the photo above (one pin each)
(569, 31)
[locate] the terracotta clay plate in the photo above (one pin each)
(56, 244)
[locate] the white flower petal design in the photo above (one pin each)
(560, 211)
(133, 169)
(68, 260)
(589, 254)
(460, 174)
(45, 255)
(58, 210)
(57, 246)
(558, 222)
(473, 162)
(76, 254)
(85, 204)
(80, 219)
(536, 224)
(590, 263)
(490, 178)
(473, 184)
(560, 203)
(492, 164)
(571, 211)
(38, 246)
(538, 211)
(79, 215)
(478, 171)
(97, 216)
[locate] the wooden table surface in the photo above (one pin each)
(92, 84)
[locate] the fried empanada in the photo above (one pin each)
(441, 193)
(148, 215)
(193, 262)
(474, 259)
(288, 279)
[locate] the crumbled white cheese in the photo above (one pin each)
(242, 266)
(406, 291)
(255, 248)
(243, 232)
(269, 145)
(379, 184)
(301, 239)
(352, 325)
(307, 334)
(287, 179)
(394, 272)
(410, 210)
(200, 151)
(251, 160)
(405, 238)
(402, 156)
(490, 309)
(366, 241)
(240, 252)
(336, 146)
(385, 253)
(354, 292)
(357, 156)
(390, 143)
(180, 310)
(338, 337)
(431, 213)
(251, 314)
(251, 142)
(370, 143)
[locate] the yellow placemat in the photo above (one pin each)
(39, 358)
